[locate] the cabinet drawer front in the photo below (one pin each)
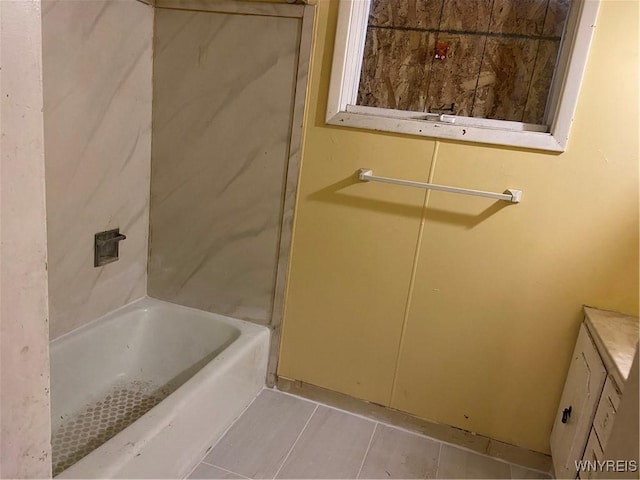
(606, 412)
(580, 397)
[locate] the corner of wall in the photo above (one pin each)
(25, 424)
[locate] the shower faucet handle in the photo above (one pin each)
(117, 238)
(105, 247)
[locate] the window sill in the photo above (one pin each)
(522, 138)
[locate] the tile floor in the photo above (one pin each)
(282, 436)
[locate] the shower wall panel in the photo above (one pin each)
(97, 65)
(223, 103)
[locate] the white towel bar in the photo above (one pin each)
(510, 195)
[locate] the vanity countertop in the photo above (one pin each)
(616, 337)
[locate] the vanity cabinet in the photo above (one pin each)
(599, 368)
(592, 453)
(578, 404)
(606, 412)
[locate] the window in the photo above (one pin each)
(476, 70)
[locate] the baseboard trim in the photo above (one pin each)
(444, 433)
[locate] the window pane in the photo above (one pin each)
(481, 58)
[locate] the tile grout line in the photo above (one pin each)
(225, 469)
(412, 432)
(366, 452)
(363, 417)
(487, 455)
(397, 427)
(438, 463)
(226, 430)
(296, 441)
(275, 389)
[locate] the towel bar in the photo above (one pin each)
(510, 195)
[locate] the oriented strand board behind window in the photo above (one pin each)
(479, 58)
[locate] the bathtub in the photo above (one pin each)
(144, 391)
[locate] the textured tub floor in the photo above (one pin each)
(80, 434)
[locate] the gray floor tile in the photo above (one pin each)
(332, 446)
(257, 444)
(204, 471)
(521, 472)
(395, 453)
(458, 463)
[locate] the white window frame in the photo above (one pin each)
(345, 79)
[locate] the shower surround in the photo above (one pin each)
(220, 160)
(207, 214)
(226, 146)
(97, 64)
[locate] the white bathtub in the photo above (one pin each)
(200, 370)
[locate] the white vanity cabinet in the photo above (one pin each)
(606, 412)
(599, 368)
(578, 404)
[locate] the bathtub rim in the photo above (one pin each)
(147, 301)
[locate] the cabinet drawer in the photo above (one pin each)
(606, 412)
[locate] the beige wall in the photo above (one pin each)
(454, 308)
(97, 124)
(25, 424)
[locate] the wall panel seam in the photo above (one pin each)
(416, 257)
